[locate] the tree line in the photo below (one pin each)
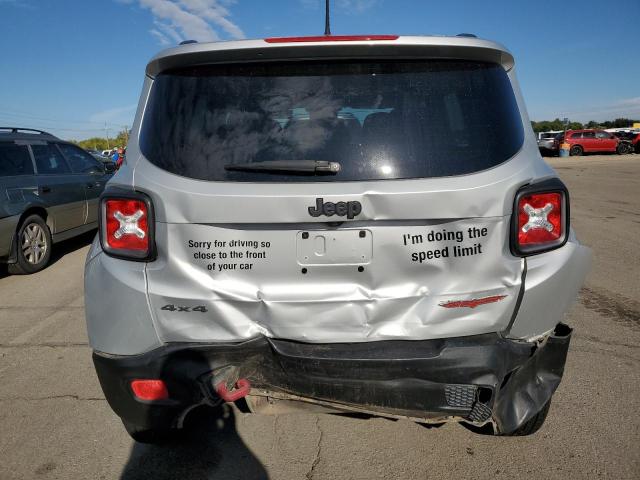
(100, 143)
(557, 124)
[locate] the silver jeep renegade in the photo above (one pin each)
(333, 224)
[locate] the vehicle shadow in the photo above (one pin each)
(69, 246)
(60, 250)
(210, 448)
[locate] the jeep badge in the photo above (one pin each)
(350, 209)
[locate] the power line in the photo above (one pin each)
(51, 127)
(48, 120)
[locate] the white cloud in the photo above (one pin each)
(356, 6)
(161, 37)
(349, 6)
(168, 31)
(201, 20)
(17, 3)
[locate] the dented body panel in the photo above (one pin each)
(323, 266)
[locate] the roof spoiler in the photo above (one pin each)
(400, 48)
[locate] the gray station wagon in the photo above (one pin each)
(49, 192)
(333, 224)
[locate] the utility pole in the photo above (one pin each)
(327, 27)
(126, 134)
(106, 131)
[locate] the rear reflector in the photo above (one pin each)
(476, 302)
(541, 218)
(149, 390)
(126, 226)
(331, 38)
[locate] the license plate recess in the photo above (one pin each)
(334, 247)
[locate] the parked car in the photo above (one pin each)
(276, 250)
(49, 192)
(590, 141)
(546, 141)
(109, 165)
(629, 140)
(635, 141)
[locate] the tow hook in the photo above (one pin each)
(242, 390)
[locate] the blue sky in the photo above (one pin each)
(69, 66)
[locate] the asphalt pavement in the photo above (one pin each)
(55, 423)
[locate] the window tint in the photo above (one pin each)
(576, 135)
(602, 135)
(79, 160)
(14, 160)
(379, 120)
(49, 160)
(588, 135)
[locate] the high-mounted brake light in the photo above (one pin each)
(331, 38)
(541, 218)
(126, 226)
(149, 390)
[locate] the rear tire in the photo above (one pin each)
(575, 151)
(33, 246)
(532, 425)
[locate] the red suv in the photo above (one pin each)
(587, 141)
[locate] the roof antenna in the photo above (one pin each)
(327, 28)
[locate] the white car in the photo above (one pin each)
(333, 223)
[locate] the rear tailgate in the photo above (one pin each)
(409, 240)
(443, 270)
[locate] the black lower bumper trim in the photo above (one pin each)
(476, 378)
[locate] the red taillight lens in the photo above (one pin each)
(126, 226)
(541, 218)
(149, 390)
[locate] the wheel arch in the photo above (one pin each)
(580, 146)
(30, 210)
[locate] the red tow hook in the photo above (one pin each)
(242, 390)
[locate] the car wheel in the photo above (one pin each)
(532, 425)
(622, 149)
(33, 246)
(575, 151)
(153, 436)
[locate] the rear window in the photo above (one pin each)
(14, 160)
(379, 120)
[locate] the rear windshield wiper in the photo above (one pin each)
(310, 167)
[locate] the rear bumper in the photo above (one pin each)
(478, 379)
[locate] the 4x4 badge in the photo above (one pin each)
(350, 209)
